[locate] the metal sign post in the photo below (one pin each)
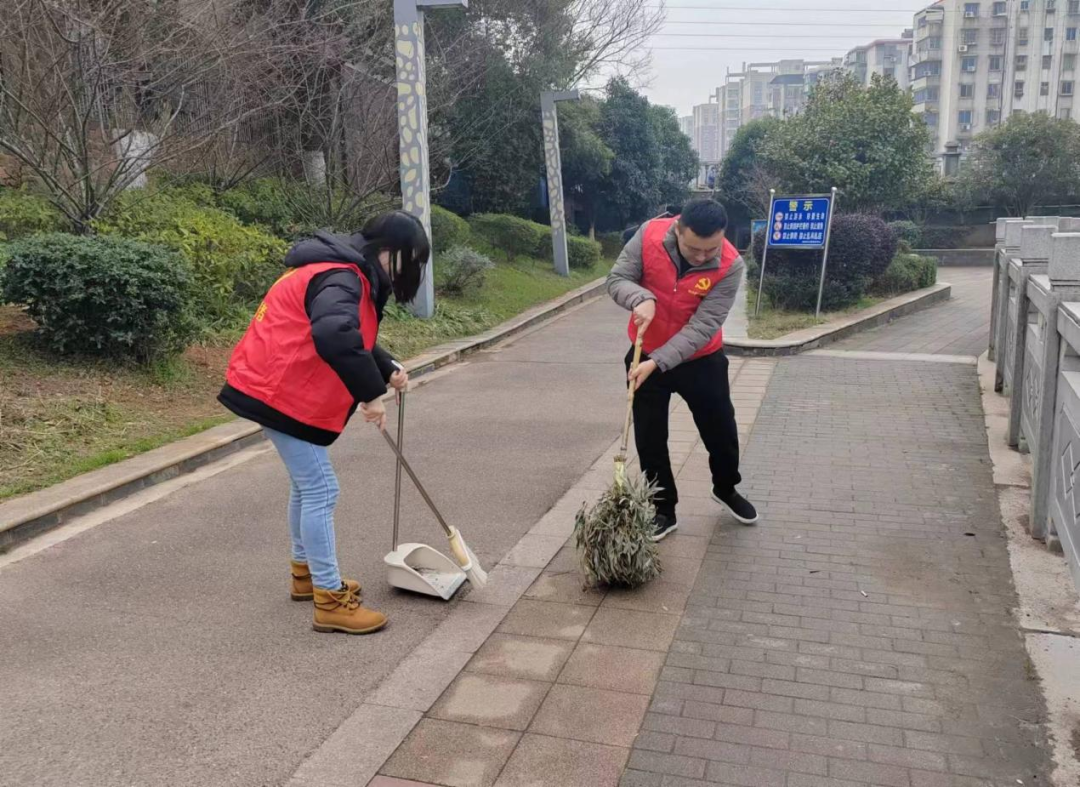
(801, 222)
(764, 251)
(825, 253)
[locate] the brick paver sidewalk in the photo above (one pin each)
(861, 635)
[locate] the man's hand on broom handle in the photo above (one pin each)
(644, 313)
(639, 375)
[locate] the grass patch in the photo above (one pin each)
(62, 417)
(774, 323)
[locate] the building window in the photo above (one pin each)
(969, 64)
(1022, 36)
(993, 117)
(993, 91)
(1048, 62)
(1070, 34)
(1018, 89)
(890, 72)
(997, 35)
(1066, 88)
(1025, 5)
(1044, 88)
(1048, 34)
(965, 117)
(1051, 6)
(997, 62)
(1074, 6)
(999, 9)
(1021, 62)
(970, 37)
(967, 91)
(1068, 63)
(971, 9)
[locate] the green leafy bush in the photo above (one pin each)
(860, 250)
(513, 236)
(907, 272)
(611, 243)
(99, 296)
(583, 253)
(943, 237)
(908, 234)
(292, 209)
(448, 229)
(614, 537)
(232, 264)
(460, 270)
(23, 214)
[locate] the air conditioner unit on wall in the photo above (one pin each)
(962, 48)
(965, 127)
(970, 14)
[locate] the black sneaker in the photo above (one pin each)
(665, 526)
(740, 508)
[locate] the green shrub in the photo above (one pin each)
(513, 236)
(611, 243)
(583, 253)
(100, 296)
(907, 233)
(860, 251)
(460, 270)
(232, 264)
(907, 272)
(23, 214)
(448, 229)
(292, 209)
(943, 237)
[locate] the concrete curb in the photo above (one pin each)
(820, 335)
(29, 515)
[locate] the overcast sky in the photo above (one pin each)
(702, 39)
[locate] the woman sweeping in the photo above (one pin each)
(308, 360)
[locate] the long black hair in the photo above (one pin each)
(403, 236)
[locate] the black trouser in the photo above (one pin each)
(703, 385)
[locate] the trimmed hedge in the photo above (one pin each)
(582, 252)
(448, 229)
(907, 233)
(513, 236)
(107, 297)
(907, 272)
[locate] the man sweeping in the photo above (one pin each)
(679, 276)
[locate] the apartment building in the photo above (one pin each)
(706, 136)
(1041, 68)
(975, 63)
(766, 90)
(686, 126)
(887, 57)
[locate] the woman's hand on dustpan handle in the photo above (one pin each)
(374, 412)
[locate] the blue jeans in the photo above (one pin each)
(312, 499)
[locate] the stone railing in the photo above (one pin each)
(1035, 344)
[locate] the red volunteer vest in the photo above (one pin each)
(276, 362)
(676, 298)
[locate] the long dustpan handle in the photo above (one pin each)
(397, 473)
(630, 395)
(420, 487)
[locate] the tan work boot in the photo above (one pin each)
(340, 610)
(302, 589)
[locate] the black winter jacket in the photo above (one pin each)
(332, 302)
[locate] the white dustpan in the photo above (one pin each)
(418, 568)
(423, 569)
